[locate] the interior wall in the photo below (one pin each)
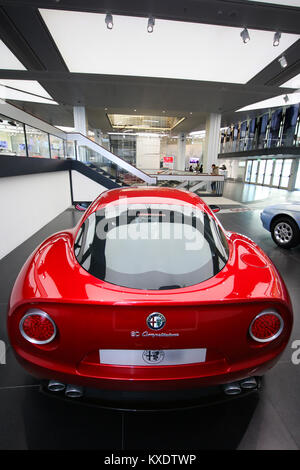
(29, 202)
(84, 189)
(234, 171)
(148, 153)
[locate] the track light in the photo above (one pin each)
(151, 23)
(276, 39)
(245, 36)
(109, 21)
(283, 62)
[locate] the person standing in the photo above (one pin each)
(214, 172)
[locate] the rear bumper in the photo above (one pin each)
(168, 379)
(152, 401)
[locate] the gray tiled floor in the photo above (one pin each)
(270, 420)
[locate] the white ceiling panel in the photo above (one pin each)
(30, 86)
(280, 100)
(10, 94)
(175, 49)
(287, 3)
(293, 82)
(8, 60)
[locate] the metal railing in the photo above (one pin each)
(89, 152)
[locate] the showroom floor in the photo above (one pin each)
(268, 420)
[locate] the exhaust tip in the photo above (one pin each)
(233, 388)
(55, 386)
(74, 391)
(248, 383)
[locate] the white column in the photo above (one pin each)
(212, 141)
(80, 120)
(181, 146)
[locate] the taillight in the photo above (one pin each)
(266, 326)
(37, 327)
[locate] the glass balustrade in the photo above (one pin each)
(277, 128)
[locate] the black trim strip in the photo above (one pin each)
(18, 166)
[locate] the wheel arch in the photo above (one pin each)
(279, 216)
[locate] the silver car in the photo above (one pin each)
(283, 221)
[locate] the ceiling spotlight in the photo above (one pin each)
(245, 36)
(276, 39)
(109, 21)
(151, 23)
(283, 62)
(286, 98)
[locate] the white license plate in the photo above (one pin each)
(159, 357)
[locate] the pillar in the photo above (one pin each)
(212, 141)
(181, 146)
(80, 120)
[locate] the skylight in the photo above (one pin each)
(175, 49)
(8, 59)
(137, 122)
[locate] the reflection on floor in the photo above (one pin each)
(252, 193)
(29, 420)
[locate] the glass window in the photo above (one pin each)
(56, 147)
(268, 172)
(248, 171)
(251, 134)
(70, 149)
(37, 142)
(151, 246)
(12, 138)
(243, 132)
(277, 173)
(261, 171)
(254, 171)
(286, 173)
(262, 129)
(289, 127)
(273, 138)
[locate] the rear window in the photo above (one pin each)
(151, 246)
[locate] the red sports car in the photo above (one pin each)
(149, 294)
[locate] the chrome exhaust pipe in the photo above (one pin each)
(233, 388)
(74, 391)
(55, 386)
(248, 383)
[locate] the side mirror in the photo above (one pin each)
(214, 207)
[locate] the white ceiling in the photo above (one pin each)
(293, 82)
(30, 86)
(10, 94)
(289, 3)
(8, 59)
(293, 98)
(181, 50)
